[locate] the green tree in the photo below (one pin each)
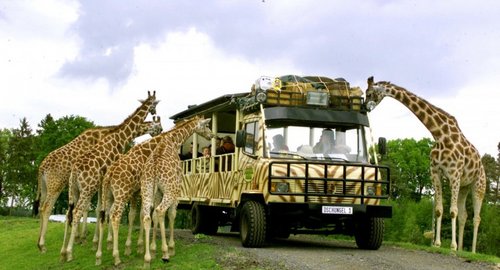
(5, 136)
(492, 169)
(19, 184)
(409, 162)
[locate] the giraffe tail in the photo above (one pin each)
(39, 192)
(105, 189)
(71, 195)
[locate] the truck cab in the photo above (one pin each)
(301, 164)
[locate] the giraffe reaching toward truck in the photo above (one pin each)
(163, 172)
(452, 157)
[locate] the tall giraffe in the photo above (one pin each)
(121, 184)
(163, 172)
(54, 171)
(88, 169)
(453, 157)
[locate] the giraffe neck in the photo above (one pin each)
(131, 127)
(179, 134)
(438, 122)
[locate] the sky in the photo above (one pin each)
(97, 58)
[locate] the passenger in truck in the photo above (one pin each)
(204, 163)
(326, 142)
(340, 144)
(189, 155)
(279, 143)
(227, 147)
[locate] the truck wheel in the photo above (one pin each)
(202, 221)
(253, 224)
(369, 233)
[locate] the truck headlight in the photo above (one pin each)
(280, 187)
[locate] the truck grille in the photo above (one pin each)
(318, 180)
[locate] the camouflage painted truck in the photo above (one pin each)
(264, 192)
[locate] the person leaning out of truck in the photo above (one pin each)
(227, 147)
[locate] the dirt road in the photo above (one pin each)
(313, 252)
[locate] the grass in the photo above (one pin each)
(18, 249)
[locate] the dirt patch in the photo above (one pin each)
(316, 252)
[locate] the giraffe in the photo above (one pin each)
(120, 185)
(163, 172)
(88, 169)
(54, 171)
(453, 157)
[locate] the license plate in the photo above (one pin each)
(336, 210)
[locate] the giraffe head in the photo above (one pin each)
(375, 93)
(203, 129)
(151, 100)
(152, 128)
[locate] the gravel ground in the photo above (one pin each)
(313, 252)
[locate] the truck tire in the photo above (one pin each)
(253, 224)
(369, 233)
(202, 221)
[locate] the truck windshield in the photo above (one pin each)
(334, 143)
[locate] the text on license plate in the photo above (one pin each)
(336, 210)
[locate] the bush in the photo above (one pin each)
(488, 237)
(409, 221)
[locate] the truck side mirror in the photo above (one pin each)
(240, 138)
(382, 146)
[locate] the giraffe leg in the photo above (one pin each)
(161, 209)
(45, 210)
(462, 215)
(108, 204)
(81, 233)
(146, 208)
(172, 212)
(438, 201)
(478, 191)
(101, 223)
(152, 246)
(157, 200)
(95, 239)
(140, 239)
(66, 234)
(455, 189)
(73, 195)
(109, 238)
(131, 218)
(82, 205)
(115, 216)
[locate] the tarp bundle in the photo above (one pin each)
(291, 89)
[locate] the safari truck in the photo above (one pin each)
(301, 164)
